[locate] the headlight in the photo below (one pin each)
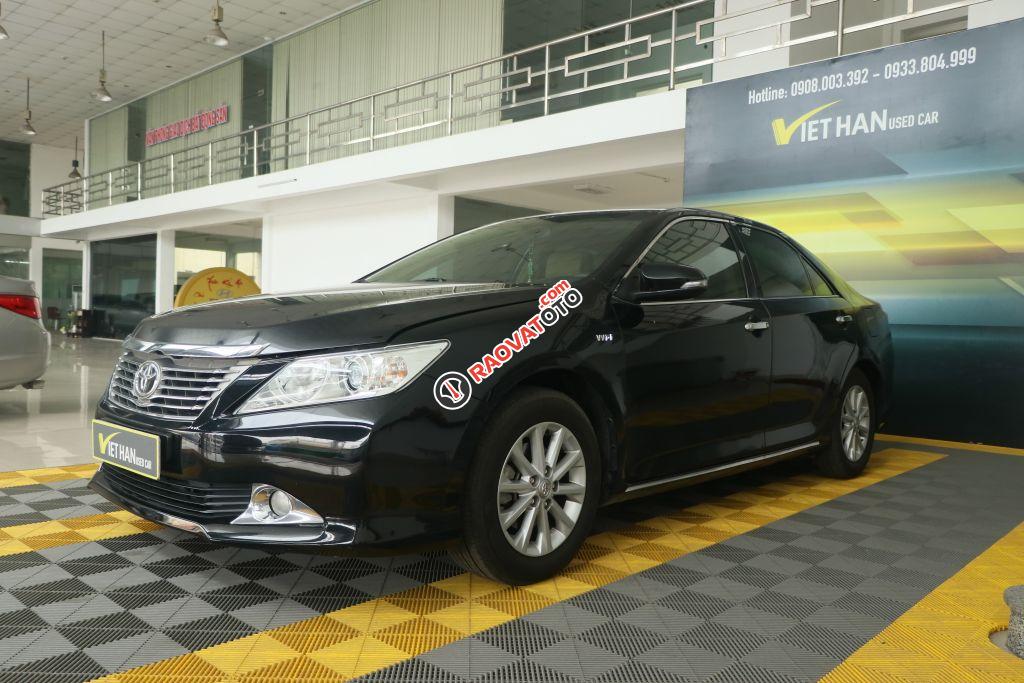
(344, 376)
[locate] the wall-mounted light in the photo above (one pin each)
(216, 36)
(101, 93)
(75, 175)
(3, 32)
(26, 127)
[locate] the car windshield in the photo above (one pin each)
(536, 250)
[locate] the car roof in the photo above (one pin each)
(674, 211)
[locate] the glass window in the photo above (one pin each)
(14, 254)
(780, 269)
(62, 281)
(818, 284)
(233, 245)
(602, 66)
(14, 185)
(705, 245)
(123, 280)
(543, 249)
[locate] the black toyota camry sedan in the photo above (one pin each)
(495, 388)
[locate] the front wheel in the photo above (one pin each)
(853, 430)
(532, 490)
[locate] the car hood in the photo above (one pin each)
(358, 315)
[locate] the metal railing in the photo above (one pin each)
(661, 50)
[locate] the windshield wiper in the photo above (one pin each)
(430, 279)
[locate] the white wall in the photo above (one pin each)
(332, 246)
(743, 42)
(993, 12)
(49, 166)
(18, 225)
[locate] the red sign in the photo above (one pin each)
(194, 124)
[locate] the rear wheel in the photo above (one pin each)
(532, 490)
(853, 430)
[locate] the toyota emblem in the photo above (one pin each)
(147, 379)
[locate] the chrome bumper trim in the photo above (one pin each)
(194, 350)
(248, 532)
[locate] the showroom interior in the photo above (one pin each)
(156, 154)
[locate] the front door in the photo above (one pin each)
(697, 370)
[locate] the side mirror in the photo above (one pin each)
(669, 282)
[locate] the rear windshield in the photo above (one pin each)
(536, 250)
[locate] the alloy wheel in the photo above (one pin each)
(856, 423)
(541, 489)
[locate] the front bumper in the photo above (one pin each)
(330, 533)
(381, 472)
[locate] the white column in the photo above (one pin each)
(164, 271)
(445, 216)
(35, 265)
(87, 276)
(85, 150)
(266, 252)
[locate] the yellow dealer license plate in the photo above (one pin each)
(126, 448)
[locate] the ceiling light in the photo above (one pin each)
(3, 32)
(75, 175)
(101, 93)
(26, 127)
(216, 36)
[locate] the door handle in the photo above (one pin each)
(844, 318)
(756, 326)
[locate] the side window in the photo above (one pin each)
(705, 245)
(780, 269)
(818, 284)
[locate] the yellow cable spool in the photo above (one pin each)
(215, 284)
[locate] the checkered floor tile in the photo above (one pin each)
(749, 578)
(788, 601)
(61, 499)
(135, 600)
(44, 475)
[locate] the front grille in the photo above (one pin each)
(183, 393)
(191, 500)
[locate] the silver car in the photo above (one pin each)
(24, 343)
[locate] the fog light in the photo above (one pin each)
(280, 503)
(259, 506)
(271, 505)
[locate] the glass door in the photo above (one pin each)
(62, 278)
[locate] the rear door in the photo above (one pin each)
(697, 370)
(813, 335)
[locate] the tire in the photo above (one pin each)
(845, 456)
(489, 547)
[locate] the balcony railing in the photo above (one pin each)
(662, 50)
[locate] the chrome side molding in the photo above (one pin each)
(707, 472)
